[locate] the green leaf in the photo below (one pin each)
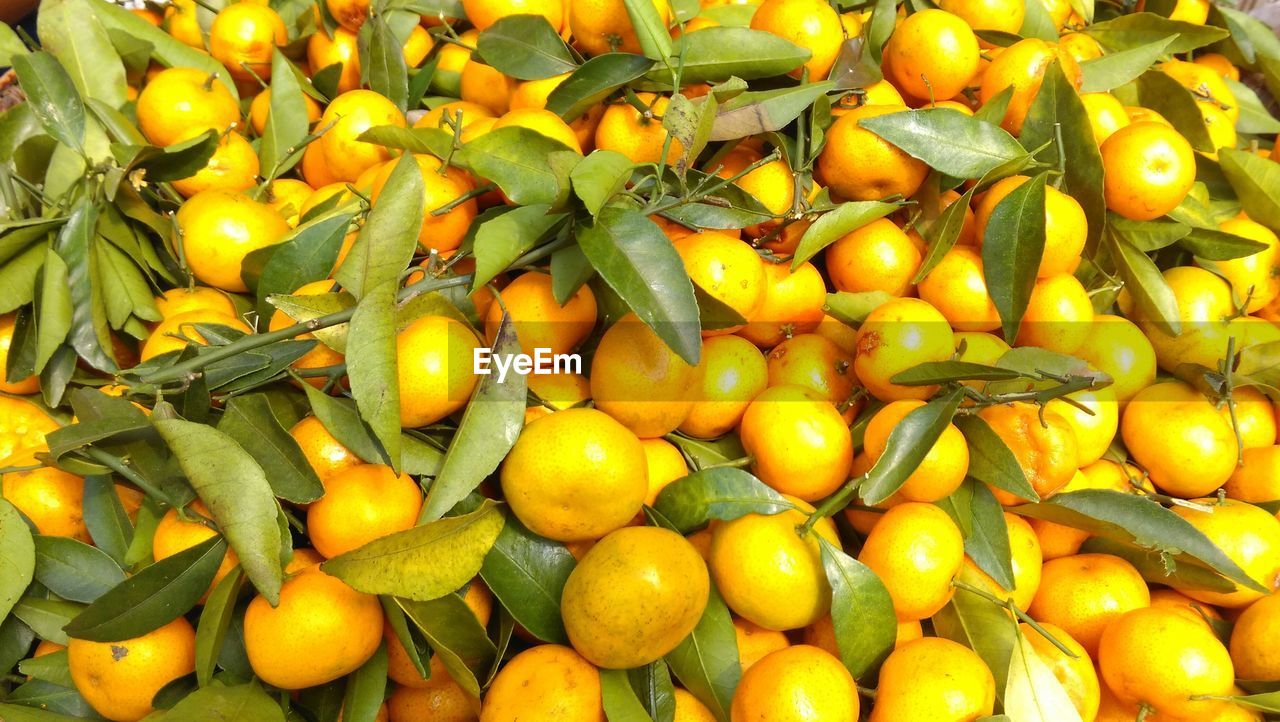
(427, 141)
(17, 556)
(174, 162)
(837, 223)
(1158, 569)
(89, 335)
(941, 235)
(250, 421)
(716, 54)
(852, 308)
(1213, 245)
(763, 111)
(1139, 520)
(366, 688)
(991, 461)
(941, 372)
(52, 309)
(525, 47)
(948, 140)
(861, 611)
(907, 446)
(502, 238)
(595, 81)
(53, 97)
(984, 627)
(372, 366)
(153, 597)
(215, 621)
(1137, 29)
(1147, 236)
(620, 701)
(455, 635)
(286, 125)
(1115, 69)
(1254, 116)
(425, 562)
(633, 256)
(46, 617)
(655, 39)
(341, 420)
(237, 493)
(529, 167)
(723, 493)
(307, 254)
(1037, 23)
(652, 685)
(50, 701)
(706, 662)
(1251, 36)
(105, 517)
(1164, 95)
(169, 51)
(1147, 286)
(382, 65)
(218, 704)
(52, 667)
(986, 534)
(1011, 251)
(75, 36)
(389, 237)
(527, 572)
(11, 44)
(1257, 183)
(74, 570)
(599, 177)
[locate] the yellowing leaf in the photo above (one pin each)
(1032, 693)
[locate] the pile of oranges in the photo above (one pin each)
(943, 392)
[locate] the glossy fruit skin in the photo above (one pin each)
(548, 682)
(943, 468)
(896, 336)
(360, 504)
(342, 47)
(438, 232)
(1066, 228)
(1148, 168)
(575, 475)
(755, 642)
(1022, 66)
(932, 54)
(1118, 348)
(635, 596)
(726, 268)
(118, 679)
(916, 550)
(347, 116)
(957, 287)
(860, 166)
(1085, 593)
(1106, 114)
(179, 100)
(1160, 658)
(176, 332)
(321, 630)
(51, 498)
(1026, 560)
(792, 304)
(1253, 277)
(243, 37)
(999, 15)
(483, 13)
(756, 559)
(1059, 315)
(734, 373)
(1043, 443)
(876, 257)
(1253, 650)
(175, 533)
(799, 440)
(816, 363)
(1076, 674)
(689, 709)
(23, 426)
(540, 321)
(638, 380)
(1249, 536)
(624, 130)
(797, 684)
(810, 24)
(932, 679)
(1094, 429)
(1257, 479)
(436, 369)
(1181, 440)
(219, 229)
(442, 700)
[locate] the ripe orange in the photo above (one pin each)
(755, 642)
(639, 137)
(1148, 168)
(1083, 594)
(943, 468)
(323, 51)
(483, 13)
(796, 683)
(233, 167)
(1022, 67)
(182, 100)
(218, 229)
(436, 368)
(174, 333)
(638, 380)
(1002, 15)
(1253, 278)
(119, 679)
(810, 24)
(349, 115)
(861, 166)
(792, 304)
(931, 679)
(957, 288)
(876, 257)
(816, 363)
(360, 504)
(351, 14)
(932, 55)
(326, 454)
(734, 373)
(1059, 315)
(800, 444)
(1178, 436)
(243, 37)
(1249, 536)
(51, 498)
(175, 534)
(539, 320)
(898, 335)
(30, 384)
(1041, 440)
(1064, 223)
(1119, 349)
(548, 682)
(916, 550)
(600, 26)
(23, 426)
(1253, 650)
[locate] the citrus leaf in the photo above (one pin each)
(1249, 35)
(941, 235)
(986, 534)
(74, 570)
(1167, 97)
(105, 517)
(372, 366)
(635, 258)
(341, 420)
(217, 704)
(529, 167)
(51, 667)
(763, 111)
(1037, 23)
(723, 493)
(652, 685)
(621, 704)
(489, 428)
(250, 421)
(714, 54)
(707, 662)
(1265, 701)
(1032, 693)
(1214, 245)
(1147, 236)
(527, 573)
(908, 444)
(505, 236)
(599, 177)
(153, 597)
(53, 97)
(1011, 251)
(525, 47)
(425, 562)
(990, 459)
(837, 223)
(286, 124)
(425, 141)
(52, 309)
(595, 81)
(651, 31)
(75, 36)
(853, 308)
(1256, 181)
(366, 688)
(237, 493)
(215, 621)
(1137, 29)
(47, 617)
(1254, 116)
(49, 701)
(455, 635)
(1115, 69)
(980, 625)
(168, 50)
(1146, 285)
(17, 556)
(389, 237)
(941, 372)
(89, 335)
(861, 611)
(307, 254)
(1158, 569)
(947, 140)
(382, 64)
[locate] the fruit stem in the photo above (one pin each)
(834, 503)
(117, 465)
(740, 463)
(1021, 615)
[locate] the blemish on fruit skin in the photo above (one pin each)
(118, 652)
(868, 343)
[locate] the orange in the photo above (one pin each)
(1253, 650)
(1253, 278)
(932, 55)
(360, 504)
(436, 369)
(1080, 46)
(639, 137)
(861, 166)
(1059, 315)
(483, 13)
(233, 167)
(1026, 560)
(441, 701)
(809, 24)
(1257, 479)
(1255, 421)
(1178, 436)
(835, 330)
(175, 534)
(182, 22)
(799, 441)
(417, 46)
(286, 196)
(1195, 12)
(1218, 63)
(243, 37)
(1222, 130)
(23, 426)
(796, 683)
(1057, 540)
(539, 320)
(756, 560)
(321, 630)
(556, 391)
(30, 384)
(1022, 67)
(1204, 304)
(638, 380)
(1094, 425)
(575, 475)
(916, 550)
(734, 373)
(542, 122)
(1041, 440)
(175, 332)
(600, 26)
(664, 463)
(1188, 607)
(1205, 83)
(1118, 348)
(792, 304)
(458, 111)
(1083, 594)
(485, 85)
(350, 14)
(635, 596)
(1148, 168)
(260, 109)
(1001, 15)
(548, 682)
(1159, 658)
(323, 51)
(1074, 672)
(439, 232)
(755, 642)
(957, 287)
(349, 115)
(1249, 536)
(326, 454)
(1064, 225)
(219, 229)
(876, 257)
(118, 679)
(943, 468)
(181, 100)
(816, 363)
(401, 669)
(932, 679)
(771, 183)
(896, 336)
(196, 298)
(51, 498)
(689, 709)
